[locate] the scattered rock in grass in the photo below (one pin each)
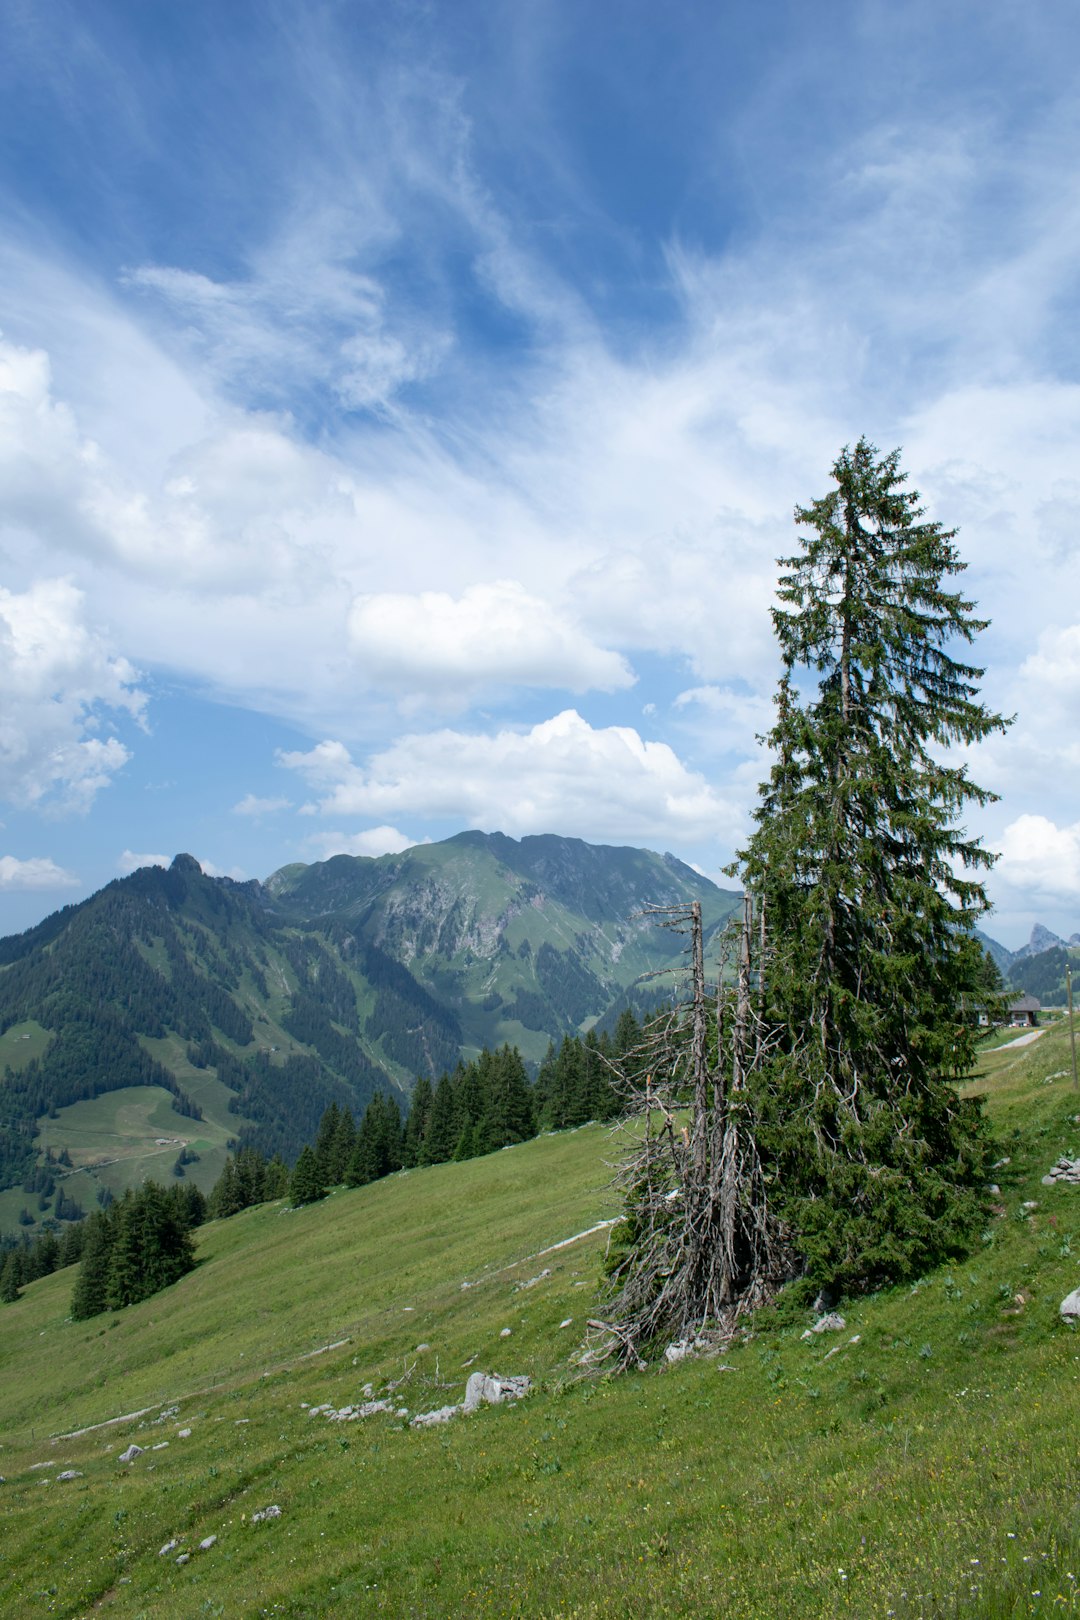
(184, 1434)
(170, 1546)
(1069, 1309)
(567, 1322)
(681, 1349)
(348, 1414)
(505, 1333)
(70, 1473)
(368, 1391)
(993, 1189)
(1001, 1163)
(1066, 1170)
(184, 1558)
(271, 1512)
(131, 1453)
(442, 1414)
(206, 1543)
(832, 1322)
(402, 1412)
(1029, 1203)
(161, 1445)
(491, 1389)
(532, 1282)
(421, 1348)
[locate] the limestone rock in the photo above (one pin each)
(1069, 1309)
(70, 1473)
(442, 1414)
(492, 1389)
(206, 1543)
(131, 1453)
(830, 1323)
(271, 1512)
(1065, 1170)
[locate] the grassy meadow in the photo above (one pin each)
(923, 1462)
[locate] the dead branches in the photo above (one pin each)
(698, 1244)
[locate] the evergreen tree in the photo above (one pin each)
(870, 887)
(508, 1116)
(276, 1181)
(417, 1122)
(226, 1199)
(443, 1131)
(543, 1088)
(306, 1185)
(377, 1151)
(71, 1244)
(325, 1144)
(341, 1148)
(11, 1277)
(91, 1284)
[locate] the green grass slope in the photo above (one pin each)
(920, 1463)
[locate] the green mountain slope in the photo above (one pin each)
(526, 940)
(173, 1010)
(169, 1010)
(920, 1462)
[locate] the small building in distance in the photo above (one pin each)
(1025, 1011)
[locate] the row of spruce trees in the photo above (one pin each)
(480, 1107)
(142, 1242)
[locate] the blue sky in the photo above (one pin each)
(402, 407)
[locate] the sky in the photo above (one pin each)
(403, 407)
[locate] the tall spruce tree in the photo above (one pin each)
(870, 886)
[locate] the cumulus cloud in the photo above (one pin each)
(562, 775)
(61, 684)
(1040, 859)
(372, 841)
(36, 872)
(493, 634)
(129, 861)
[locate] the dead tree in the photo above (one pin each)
(698, 1245)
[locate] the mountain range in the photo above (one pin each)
(172, 1013)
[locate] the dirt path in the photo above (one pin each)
(1021, 1040)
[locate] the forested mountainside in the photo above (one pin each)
(524, 940)
(255, 1007)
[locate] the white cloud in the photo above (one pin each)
(1040, 859)
(36, 872)
(608, 784)
(493, 634)
(130, 862)
(60, 683)
(252, 805)
(372, 841)
(211, 869)
(745, 711)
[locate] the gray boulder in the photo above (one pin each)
(442, 1414)
(1069, 1309)
(492, 1390)
(131, 1453)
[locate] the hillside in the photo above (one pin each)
(920, 1462)
(174, 1011)
(526, 940)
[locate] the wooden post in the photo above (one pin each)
(1072, 1026)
